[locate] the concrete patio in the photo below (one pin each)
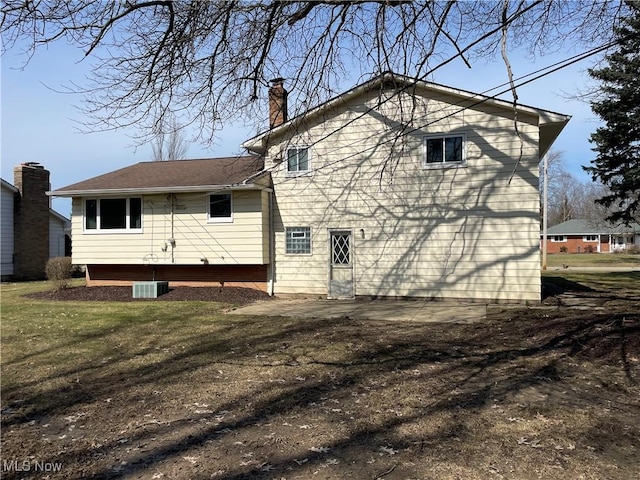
(406, 310)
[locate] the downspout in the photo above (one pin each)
(271, 236)
(173, 243)
(545, 175)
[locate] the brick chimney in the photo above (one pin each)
(31, 220)
(277, 103)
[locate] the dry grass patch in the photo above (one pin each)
(180, 390)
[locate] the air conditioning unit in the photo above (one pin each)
(150, 289)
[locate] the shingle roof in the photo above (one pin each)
(578, 226)
(171, 175)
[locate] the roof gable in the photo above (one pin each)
(551, 123)
(174, 175)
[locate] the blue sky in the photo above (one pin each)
(39, 124)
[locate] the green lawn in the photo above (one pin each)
(592, 260)
(157, 389)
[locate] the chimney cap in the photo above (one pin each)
(32, 164)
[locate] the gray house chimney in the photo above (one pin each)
(31, 220)
(277, 103)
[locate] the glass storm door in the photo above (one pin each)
(341, 264)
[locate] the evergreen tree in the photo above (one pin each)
(617, 143)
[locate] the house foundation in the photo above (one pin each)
(246, 276)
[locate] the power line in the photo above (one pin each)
(546, 71)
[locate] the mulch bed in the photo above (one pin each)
(234, 295)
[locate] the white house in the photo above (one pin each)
(31, 232)
(6, 228)
(396, 188)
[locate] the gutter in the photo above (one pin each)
(153, 190)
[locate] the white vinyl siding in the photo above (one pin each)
(6, 232)
(459, 232)
(183, 219)
(56, 237)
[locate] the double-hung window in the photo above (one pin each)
(298, 160)
(220, 208)
(444, 150)
(113, 214)
(298, 240)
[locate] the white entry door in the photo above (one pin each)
(340, 264)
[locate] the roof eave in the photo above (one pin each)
(59, 216)
(9, 186)
(550, 127)
(152, 190)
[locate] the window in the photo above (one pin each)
(559, 238)
(297, 160)
(113, 214)
(444, 149)
(220, 209)
(590, 238)
(298, 240)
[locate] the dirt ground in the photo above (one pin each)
(524, 394)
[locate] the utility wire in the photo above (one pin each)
(546, 71)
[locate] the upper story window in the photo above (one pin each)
(113, 214)
(298, 160)
(220, 208)
(444, 149)
(298, 240)
(559, 238)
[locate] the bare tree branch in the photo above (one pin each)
(208, 61)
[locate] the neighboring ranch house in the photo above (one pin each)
(579, 236)
(395, 188)
(30, 230)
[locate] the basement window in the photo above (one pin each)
(113, 214)
(298, 240)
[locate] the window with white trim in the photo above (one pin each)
(590, 238)
(113, 214)
(298, 160)
(444, 149)
(559, 238)
(220, 208)
(298, 240)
